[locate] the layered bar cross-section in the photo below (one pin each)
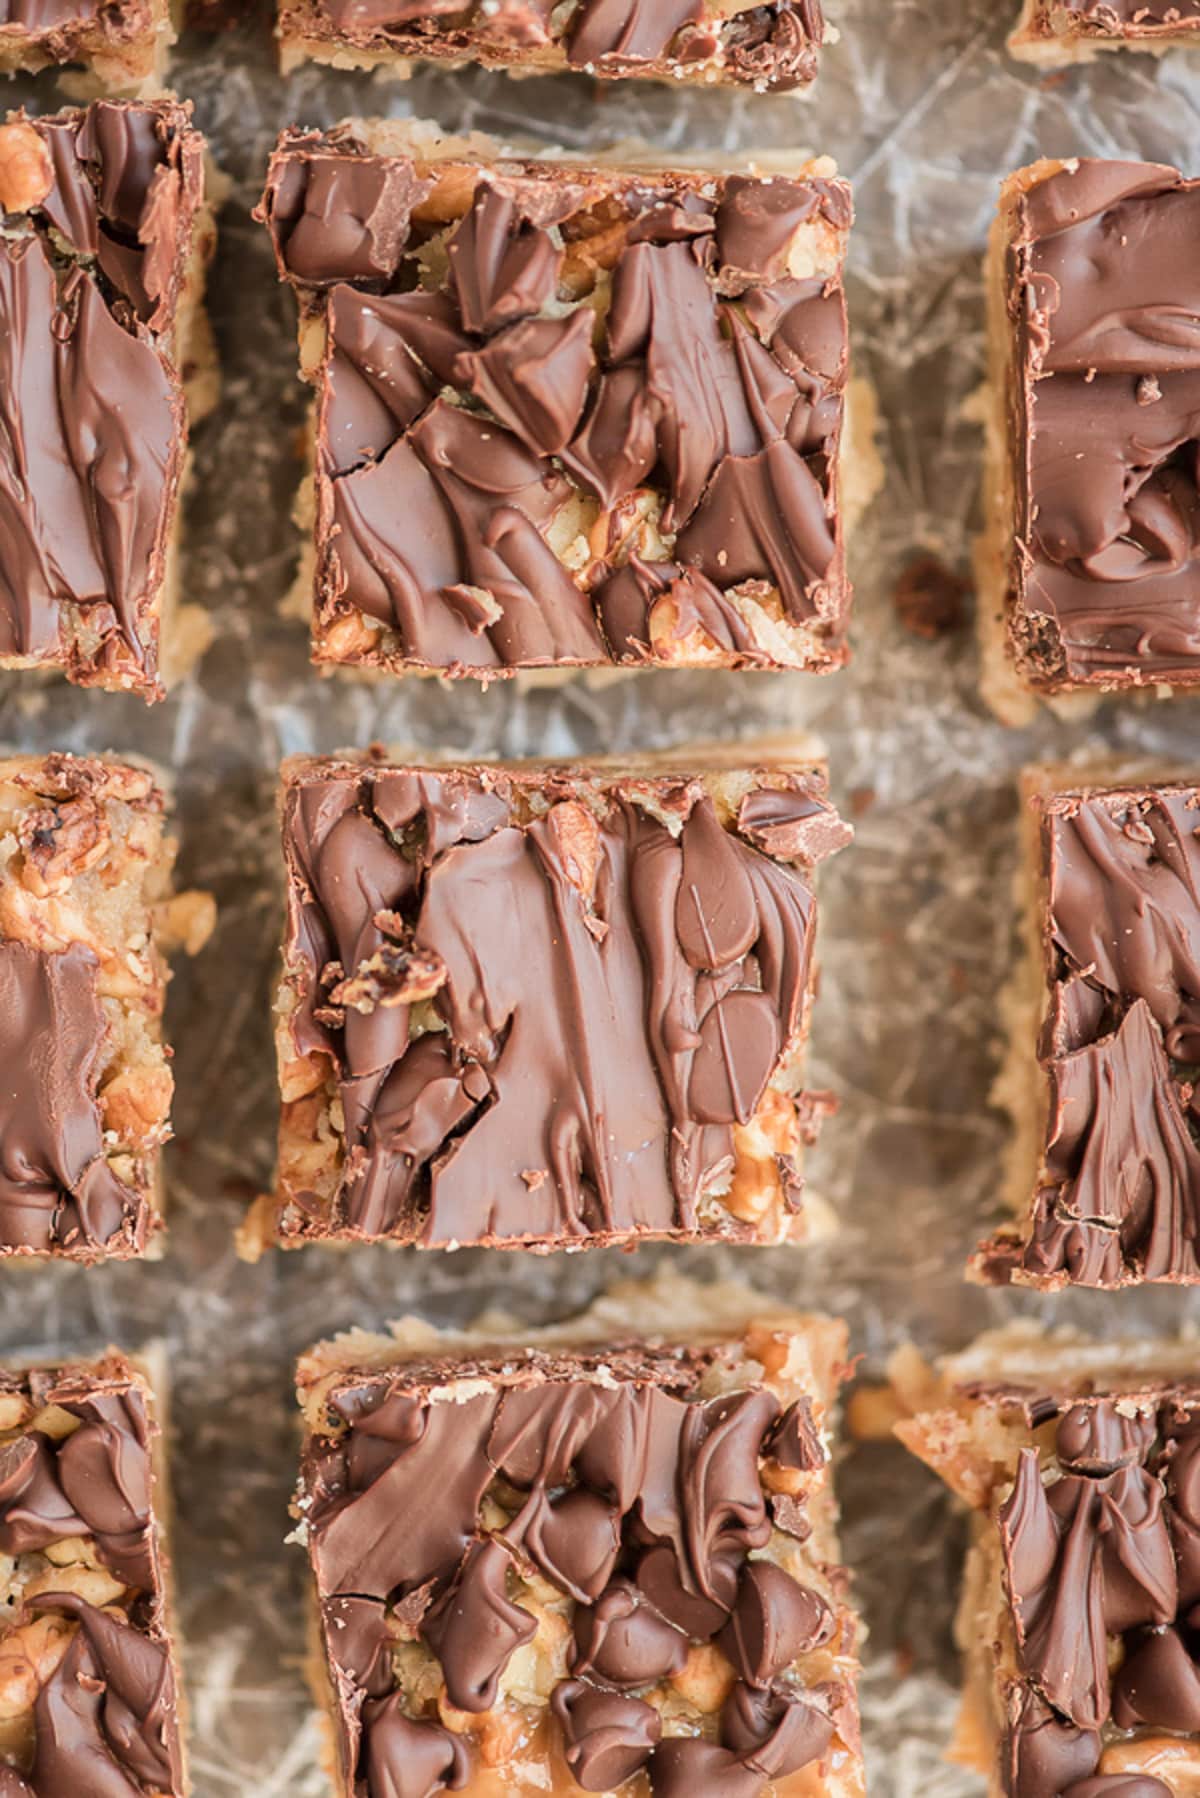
(1080, 1463)
(565, 416)
(1055, 33)
(87, 914)
(1101, 1077)
(629, 1582)
(91, 1693)
(121, 44)
(540, 1006)
(772, 48)
(102, 254)
(1088, 566)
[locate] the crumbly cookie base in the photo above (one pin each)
(130, 67)
(790, 1353)
(753, 1210)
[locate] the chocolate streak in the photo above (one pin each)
(1119, 1195)
(1104, 1554)
(1104, 301)
(772, 47)
(106, 1721)
(91, 409)
(570, 1065)
(713, 394)
(633, 1496)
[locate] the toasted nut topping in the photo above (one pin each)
(26, 173)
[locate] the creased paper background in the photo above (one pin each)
(923, 112)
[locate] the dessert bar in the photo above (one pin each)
(122, 44)
(105, 237)
(1055, 33)
(528, 1005)
(89, 1691)
(1105, 1177)
(1080, 1463)
(565, 416)
(86, 917)
(630, 1581)
(771, 48)
(1087, 570)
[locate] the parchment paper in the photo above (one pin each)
(924, 112)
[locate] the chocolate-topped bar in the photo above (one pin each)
(565, 416)
(105, 236)
(1081, 1465)
(89, 1690)
(1106, 1164)
(87, 916)
(771, 48)
(1055, 33)
(122, 44)
(1088, 570)
(526, 1005)
(629, 1580)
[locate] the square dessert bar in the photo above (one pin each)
(89, 1690)
(86, 917)
(526, 1005)
(772, 48)
(122, 44)
(565, 416)
(597, 1558)
(1106, 1163)
(105, 236)
(1081, 1465)
(1058, 32)
(1088, 574)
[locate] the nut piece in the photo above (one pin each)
(26, 173)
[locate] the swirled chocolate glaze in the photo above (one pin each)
(1119, 1190)
(772, 48)
(1104, 303)
(571, 1065)
(1100, 1539)
(595, 419)
(106, 1714)
(1067, 26)
(636, 1498)
(91, 274)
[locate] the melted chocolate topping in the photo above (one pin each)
(1102, 1552)
(57, 1190)
(1119, 1198)
(713, 392)
(600, 1037)
(90, 401)
(621, 1436)
(1105, 302)
(772, 47)
(106, 1721)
